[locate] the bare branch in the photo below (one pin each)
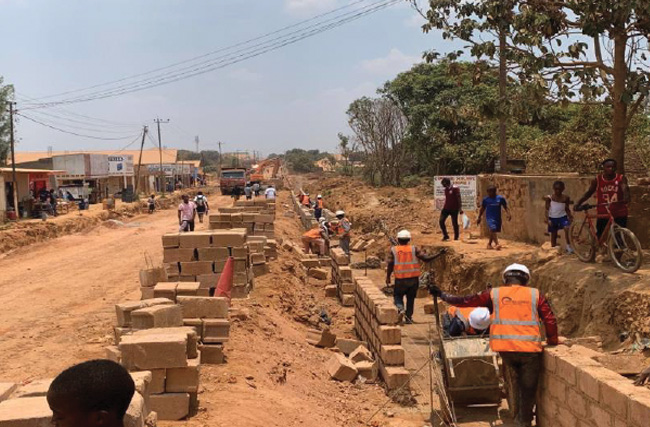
(632, 111)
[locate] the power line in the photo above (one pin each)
(57, 121)
(211, 65)
(31, 119)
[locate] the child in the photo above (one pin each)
(152, 203)
(492, 207)
(92, 394)
(558, 214)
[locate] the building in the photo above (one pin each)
(29, 183)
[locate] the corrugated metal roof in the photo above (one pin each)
(149, 156)
(25, 170)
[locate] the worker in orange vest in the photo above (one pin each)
(318, 235)
(318, 208)
(404, 261)
(468, 320)
(518, 313)
(306, 201)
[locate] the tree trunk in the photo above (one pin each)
(619, 117)
(503, 153)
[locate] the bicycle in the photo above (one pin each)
(621, 243)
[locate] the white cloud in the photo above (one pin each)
(309, 7)
(245, 75)
(391, 64)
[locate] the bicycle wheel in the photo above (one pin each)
(582, 241)
(624, 249)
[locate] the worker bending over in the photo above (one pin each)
(466, 320)
(518, 312)
(403, 260)
(318, 235)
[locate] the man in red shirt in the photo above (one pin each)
(611, 189)
(453, 206)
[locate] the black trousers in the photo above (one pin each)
(454, 222)
(521, 372)
(601, 223)
(406, 288)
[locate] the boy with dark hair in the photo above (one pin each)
(558, 214)
(492, 205)
(96, 393)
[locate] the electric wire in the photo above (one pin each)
(31, 119)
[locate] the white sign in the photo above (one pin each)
(120, 165)
(170, 169)
(467, 186)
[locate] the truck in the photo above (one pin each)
(231, 178)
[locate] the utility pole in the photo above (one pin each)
(196, 141)
(163, 182)
(220, 158)
(14, 183)
(137, 179)
(503, 75)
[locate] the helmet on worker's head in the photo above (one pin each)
(340, 214)
(319, 197)
(404, 235)
(479, 318)
(519, 271)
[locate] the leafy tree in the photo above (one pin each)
(303, 161)
(6, 96)
(347, 150)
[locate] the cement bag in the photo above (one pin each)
(466, 222)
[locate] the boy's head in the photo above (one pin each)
(186, 198)
(492, 191)
(153, 196)
(96, 393)
(609, 167)
(446, 182)
(558, 187)
(200, 193)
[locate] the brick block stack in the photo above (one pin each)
(200, 256)
(170, 336)
(305, 215)
(575, 389)
(375, 322)
(256, 224)
(342, 277)
(26, 405)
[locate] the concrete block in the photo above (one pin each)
(178, 255)
(194, 239)
(142, 381)
(310, 262)
(347, 300)
(390, 334)
(119, 332)
(203, 307)
(368, 370)
(394, 376)
(260, 269)
(146, 293)
(154, 351)
(183, 380)
(185, 279)
(113, 353)
(187, 289)
(347, 346)
(239, 291)
(341, 368)
(6, 389)
(170, 240)
(339, 256)
(196, 267)
(215, 331)
(37, 388)
(166, 290)
(123, 311)
(230, 238)
(159, 316)
(136, 412)
(157, 385)
(556, 388)
(239, 252)
(170, 406)
(616, 394)
(240, 265)
(577, 402)
(196, 324)
(392, 355)
(212, 254)
(258, 258)
(189, 332)
(599, 417)
(27, 412)
(323, 339)
(387, 314)
(640, 409)
(211, 354)
(318, 273)
(207, 281)
(361, 354)
(346, 288)
(330, 291)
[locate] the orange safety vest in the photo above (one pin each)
(463, 314)
(320, 203)
(515, 325)
(305, 200)
(314, 233)
(406, 262)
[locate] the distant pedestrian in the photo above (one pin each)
(236, 192)
(152, 203)
(53, 202)
(202, 207)
(96, 393)
(318, 208)
(256, 189)
(248, 191)
(270, 192)
(186, 214)
(492, 205)
(452, 207)
(558, 214)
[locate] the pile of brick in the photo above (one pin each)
(170, 336)
(305, 215)
(352, 357)
(26, 405)
(341, 278)
(200, 256)
(258, 205)
(375, 321)
(256, 224)
(361, 245)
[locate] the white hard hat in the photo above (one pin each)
(404, 234)
(319, 197)
(339, 213)
(516, 267)
(479, 318)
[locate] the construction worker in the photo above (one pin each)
(318, 207)
(344, 230)
(403, 260)
(518, 311)
(306, 201)
(317, 235)
(466, 320)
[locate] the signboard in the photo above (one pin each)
(467, 186)
(170, 169)
(120, 165)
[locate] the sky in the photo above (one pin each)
(292, 97)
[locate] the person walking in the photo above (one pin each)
(518, 312)
(344, 230)
(270, 193)
(186, 214)
(318, 208)
(403, 261)
(151, 202)
(53, 202)
(492, 205)
(256, 189)
(558, 214)
(452, 207)
(202, 207)
(248, 191)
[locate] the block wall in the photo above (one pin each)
(342, 277)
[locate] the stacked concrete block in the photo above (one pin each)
(575, 389)
(375, 322)
(305, 215)
(256, 224)
(150, 276)
(342, 277)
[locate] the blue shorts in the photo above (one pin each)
(558, 224)
(494, 225)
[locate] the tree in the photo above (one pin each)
(590, 51)
(347, 150)
(6, 96)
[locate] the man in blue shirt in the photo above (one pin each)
(492, 205)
